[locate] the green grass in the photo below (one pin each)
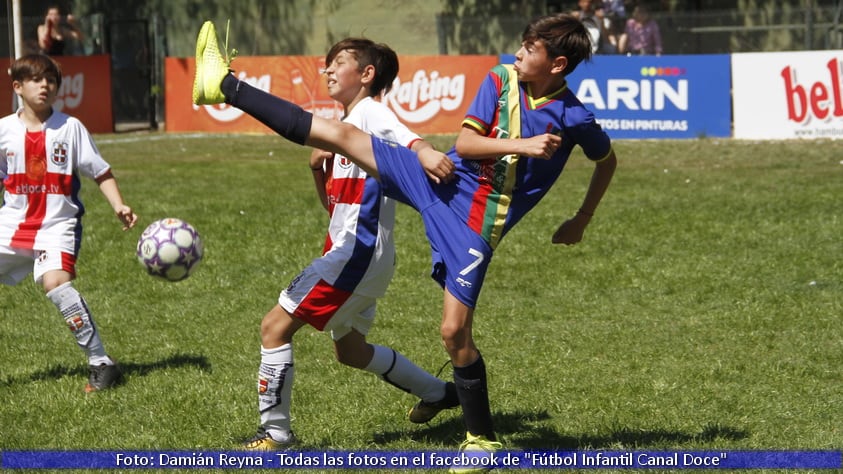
(701, 311)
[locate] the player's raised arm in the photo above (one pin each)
(471, 145)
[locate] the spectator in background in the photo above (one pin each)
(592, 15)
(54, 32)
(642, 35)
(614, 20)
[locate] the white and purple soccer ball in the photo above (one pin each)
(170, 249)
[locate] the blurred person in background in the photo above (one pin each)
(56, 30)
(614, 20)
(642, 34)
(592, 14)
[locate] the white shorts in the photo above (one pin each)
(16, 264)
(326, 308)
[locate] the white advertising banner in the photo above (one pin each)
(777, 96)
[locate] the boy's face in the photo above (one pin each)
(345, 78)
(532, 62)
(37, 93)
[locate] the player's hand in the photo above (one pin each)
(437, 165)
(541, 146)
(318, 157)
(126, 216)
(571, 231)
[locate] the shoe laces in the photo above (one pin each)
(229, 54)
(260, 435)
(481, 442)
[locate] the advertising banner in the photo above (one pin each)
(788, 95)
(430, 95)
(656, 96)
(85, 91)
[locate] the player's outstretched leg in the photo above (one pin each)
(213, 83)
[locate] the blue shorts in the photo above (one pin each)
(460, 256)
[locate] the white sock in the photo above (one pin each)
(78, 318)
(397, 370)
(275, 386)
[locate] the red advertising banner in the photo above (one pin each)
(85, 91)
(430, 95)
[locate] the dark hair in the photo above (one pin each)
(369, 53)
(34, 66)
(562, 35)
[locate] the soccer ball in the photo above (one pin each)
(170, 249)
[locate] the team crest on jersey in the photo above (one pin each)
(345, 162)
(59, 156)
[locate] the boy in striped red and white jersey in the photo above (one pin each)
(338, 291)
(45, 153)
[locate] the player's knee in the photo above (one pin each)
(277, 328)
(353, 350)
(455, 337)
(54, 279)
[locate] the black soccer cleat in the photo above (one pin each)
(103, 376)
(423, 411)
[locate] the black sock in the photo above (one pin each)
(474, 398)
(283, 117)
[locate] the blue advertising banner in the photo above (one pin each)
(656, 96)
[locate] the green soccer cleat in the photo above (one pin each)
(102, 377)
(423, 411)
(479, 451)
(211, 67)
(262, 441)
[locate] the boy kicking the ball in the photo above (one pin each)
(44, 154)
(514, 143)
(338, 291)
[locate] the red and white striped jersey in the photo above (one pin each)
(359, 253)
(40, 171)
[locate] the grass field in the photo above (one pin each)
(701, 311)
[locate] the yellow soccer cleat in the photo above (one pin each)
(262, 441)
(479, 452)
(211, 67)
